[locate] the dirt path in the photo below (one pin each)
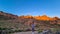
(25, 32)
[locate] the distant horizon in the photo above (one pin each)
(32, 15)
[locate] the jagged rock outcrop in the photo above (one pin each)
(44, 17)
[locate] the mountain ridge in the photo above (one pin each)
(22, 22)
(43, 17)
(7, 15)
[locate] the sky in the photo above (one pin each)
(31, 7)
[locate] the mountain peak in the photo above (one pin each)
(44, 16)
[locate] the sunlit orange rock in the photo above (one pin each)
(44, 17)
(28, 16)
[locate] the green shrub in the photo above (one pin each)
(18, 30)
(39, 31)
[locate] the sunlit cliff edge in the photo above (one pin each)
(43, 17)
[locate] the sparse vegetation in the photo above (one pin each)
(39, 30)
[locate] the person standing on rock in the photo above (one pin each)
(33, 28)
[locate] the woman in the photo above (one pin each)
(33, 28)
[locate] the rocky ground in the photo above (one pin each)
(43, 32)
(30, 32)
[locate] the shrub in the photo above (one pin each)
(39, 31)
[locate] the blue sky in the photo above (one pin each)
(31, 7)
